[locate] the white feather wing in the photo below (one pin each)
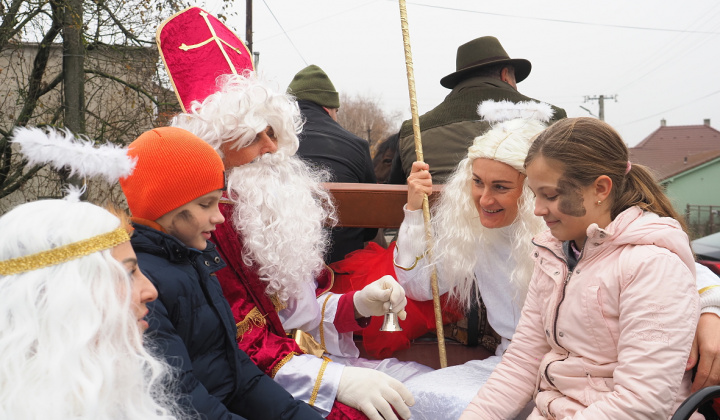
(501, 111)
(80, 156)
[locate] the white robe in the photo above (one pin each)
(299, 373)
(444, 393)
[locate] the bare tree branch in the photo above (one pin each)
(119, 24)
(9, 27)
(39, 66)
(16, 182)
(137, 89)
(50, 86)
(125, 95)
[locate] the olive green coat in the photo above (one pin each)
(450, 128)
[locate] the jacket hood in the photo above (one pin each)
(635, 227)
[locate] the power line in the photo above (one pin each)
(671, 109)
(323, 18)
(662, 52)
(565, 21)
(286, 34)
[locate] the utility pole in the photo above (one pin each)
(73, 65)
(255, 55)
(248, 25)
(601, 103)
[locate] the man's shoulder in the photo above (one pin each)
(462, 105)
(318, 131)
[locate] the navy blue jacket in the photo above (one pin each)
(324, 143)
(192, 326)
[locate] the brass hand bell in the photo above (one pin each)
(390, 323)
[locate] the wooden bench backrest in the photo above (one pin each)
(371, 205)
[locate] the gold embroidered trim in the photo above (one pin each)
(705, 289)
(307, 343)
(322, 322)
(253, 319)
(64, 253)
(219, 41)
(318, 381)
(277, 303)
(332, 281)
(417, 259)
(281, 364)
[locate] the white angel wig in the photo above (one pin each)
(280, 208)
(243, 107)
(70, 344)
(462, 239)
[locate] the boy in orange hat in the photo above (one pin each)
(173, 194)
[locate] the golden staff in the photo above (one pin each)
(426, 204)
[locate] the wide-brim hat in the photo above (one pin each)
(482, 52)
(197, 48)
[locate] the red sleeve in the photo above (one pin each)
(267, 350)
(345, 315)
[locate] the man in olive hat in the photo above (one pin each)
(484, 71)
(325, 144)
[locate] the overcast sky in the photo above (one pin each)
(660, 58)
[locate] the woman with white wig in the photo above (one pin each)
(483, 225)
(73, 304)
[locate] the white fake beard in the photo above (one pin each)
(279, 211)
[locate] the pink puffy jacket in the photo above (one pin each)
(608, 340)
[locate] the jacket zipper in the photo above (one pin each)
(557, 307)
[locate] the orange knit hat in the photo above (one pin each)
(173, 168)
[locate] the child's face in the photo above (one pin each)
(142, 290)
(496, 189)
(194, 222)
(265, 142)
(567, 208)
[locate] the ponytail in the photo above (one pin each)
(643, 191)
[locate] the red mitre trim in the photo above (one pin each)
(197, 48)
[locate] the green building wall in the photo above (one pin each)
(699, 186)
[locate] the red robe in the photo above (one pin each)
(260, 331)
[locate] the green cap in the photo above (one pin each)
(312, 84)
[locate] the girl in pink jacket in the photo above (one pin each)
(611, 310)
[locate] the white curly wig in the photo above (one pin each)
(280, 208)
(243, 106)
(70, 344)
(460, 237)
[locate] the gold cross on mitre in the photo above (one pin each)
(219, 41)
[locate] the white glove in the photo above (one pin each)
(373, 393)
(375, 298)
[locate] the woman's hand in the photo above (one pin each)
(419, 183)
(706, 348)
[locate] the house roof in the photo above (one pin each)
(669, 151)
